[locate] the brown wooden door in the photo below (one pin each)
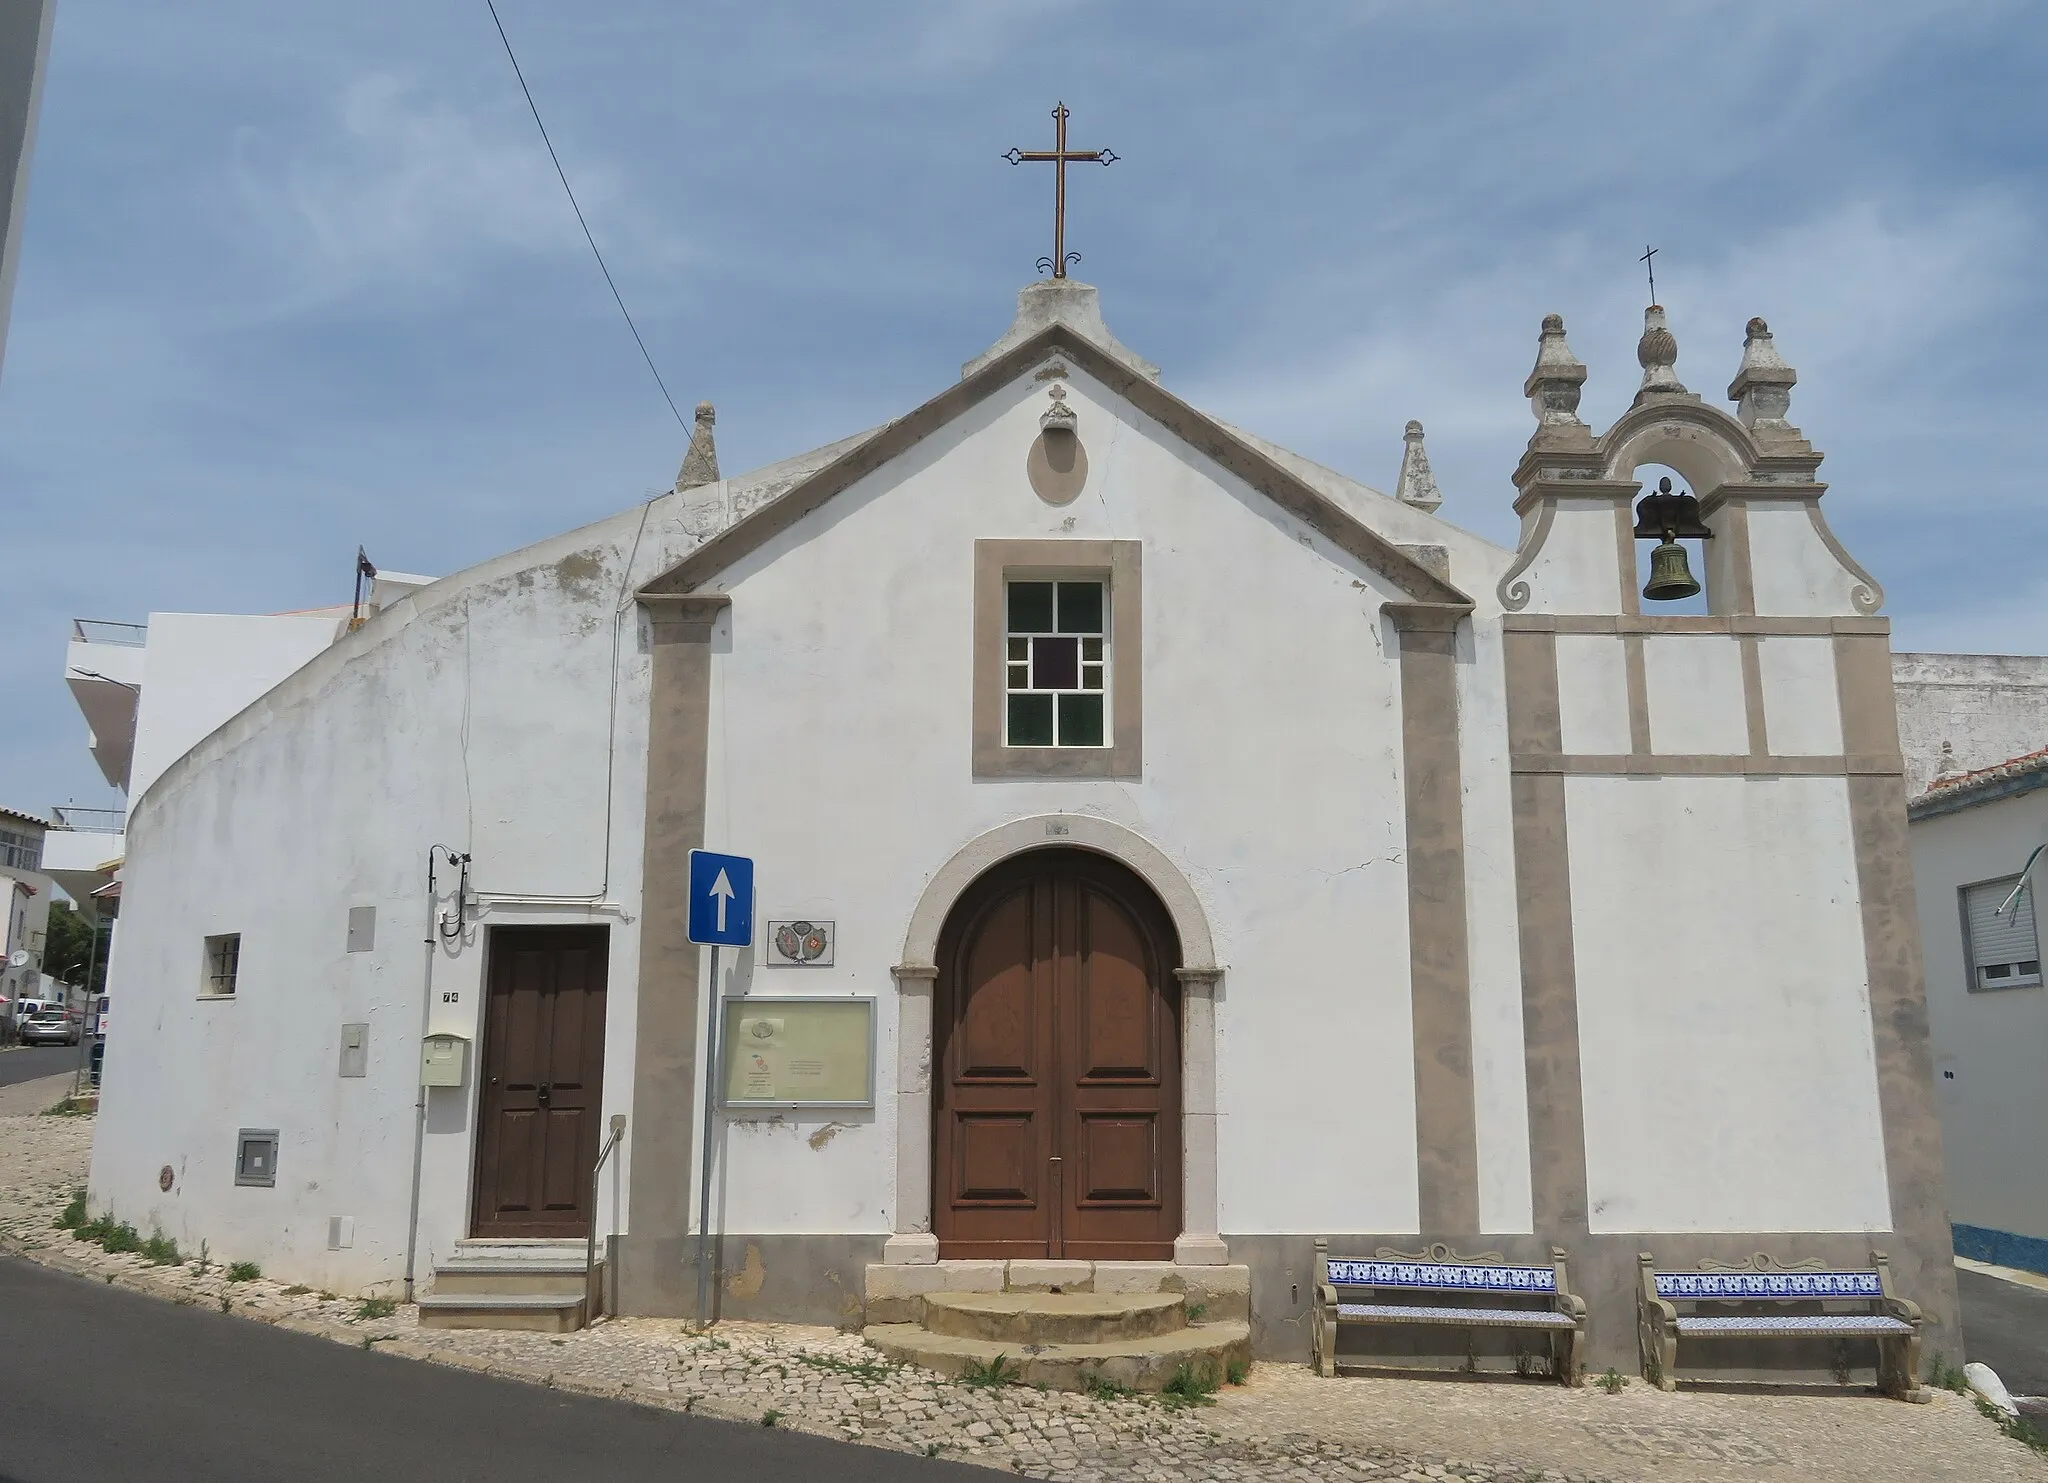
(542, 1068)
(1057, 1045)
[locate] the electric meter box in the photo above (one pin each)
(443, 1060)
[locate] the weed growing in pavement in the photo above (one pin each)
(1102, 1388)
(2017, 1427)
(769, 1418)
(1197, 1311)
(1189, 1387)
(112, 1235)
(160, 1250)
(67, 1108)
(227, 1304)
(1238, 1371)
(243, 1272)
(1613, 1382)
(858, 1369)
(990, 1375)
(931, 1449)
(74, 1214)
(297, 1290)
(376, 1308)
(1944, 1376)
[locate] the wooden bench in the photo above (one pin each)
(1545, 1303)
(1753, 1302)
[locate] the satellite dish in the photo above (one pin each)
(19, 958)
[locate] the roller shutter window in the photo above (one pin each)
(2005, 950)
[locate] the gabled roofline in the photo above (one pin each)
(1196, 428)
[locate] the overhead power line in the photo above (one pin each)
(567, 190)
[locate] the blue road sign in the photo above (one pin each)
(721, 899)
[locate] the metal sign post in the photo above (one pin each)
(721, 915)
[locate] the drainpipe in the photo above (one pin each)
(419, 1108)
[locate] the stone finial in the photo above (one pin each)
(1762, 388)
(1059, 417)
(1657, 353)
(1417, 486)
(1554, 383)
(1946, 767)
(700, 464)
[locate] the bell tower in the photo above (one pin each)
(1723, 1005)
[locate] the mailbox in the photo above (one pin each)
(443, 1060)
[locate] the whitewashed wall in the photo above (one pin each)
(474, 714)
(477, 714)
(1989, 1048)
(1291, 833)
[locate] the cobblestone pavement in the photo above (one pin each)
(1284, 1425)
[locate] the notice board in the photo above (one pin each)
(799, 1052)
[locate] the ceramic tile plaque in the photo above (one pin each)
(801, 944)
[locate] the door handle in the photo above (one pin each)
(546, 1093)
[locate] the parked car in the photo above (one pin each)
(51, 1026)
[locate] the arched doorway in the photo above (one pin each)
(1056, 1065)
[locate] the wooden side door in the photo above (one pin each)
(1057, 1061)
(542, 1069)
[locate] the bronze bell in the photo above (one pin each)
(1668, 515)
(1670, 576)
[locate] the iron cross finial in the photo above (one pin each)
(1646, 260)
(1060, 156)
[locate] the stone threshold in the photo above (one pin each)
(893, 1292)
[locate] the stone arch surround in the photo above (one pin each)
(917, 973)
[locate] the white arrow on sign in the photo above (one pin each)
(721, 892)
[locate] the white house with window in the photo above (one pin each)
(1169, 853)
(27, 906)
(1973, 833)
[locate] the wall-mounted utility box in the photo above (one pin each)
(256, 1156)
(443, 1060)
(355, 1050)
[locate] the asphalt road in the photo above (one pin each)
(99, 1384)
(26, 1063)
(2006, 1327)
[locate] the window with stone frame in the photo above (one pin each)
(1056, 658)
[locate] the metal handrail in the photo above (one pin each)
(590, 1304)
(128, 635)
(70, 816)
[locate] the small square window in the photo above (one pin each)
(1058, 644)
(256, 1156)
(223, 965)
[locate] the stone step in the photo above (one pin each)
(545, 1313)
(490, 1276)
(513, 1249)
(1021, 1318)
(1135, 1364)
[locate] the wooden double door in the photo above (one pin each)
(541, 1069)
(1056, 1038)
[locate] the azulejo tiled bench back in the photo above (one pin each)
(1437, 1288)
(1756, 1299)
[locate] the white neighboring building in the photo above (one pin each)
(27, 906)
(1232, 855)
(150, 691)
(1986, 1005)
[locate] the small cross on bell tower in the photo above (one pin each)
(1059, 156)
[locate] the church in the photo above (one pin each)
(1168, 853)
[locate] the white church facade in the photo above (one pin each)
(1222, 856)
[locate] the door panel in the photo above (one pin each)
(1056, 1039)
(541, 1068)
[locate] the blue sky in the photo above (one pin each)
(300, 277)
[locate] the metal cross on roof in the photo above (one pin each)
(1060, 156)
(1650, 253)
